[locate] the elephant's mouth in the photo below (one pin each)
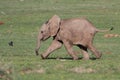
(44, 38)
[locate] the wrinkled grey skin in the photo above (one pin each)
(75, 31)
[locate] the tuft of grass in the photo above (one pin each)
(6, 71)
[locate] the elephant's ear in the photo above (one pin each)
(54, 25)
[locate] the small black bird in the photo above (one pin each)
(10, 43)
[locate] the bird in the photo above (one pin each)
(10, 43)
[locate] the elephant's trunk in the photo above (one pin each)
(38, 44)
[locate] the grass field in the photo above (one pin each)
(21, 22)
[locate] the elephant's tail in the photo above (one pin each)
(98, 30)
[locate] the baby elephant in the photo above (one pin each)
(75, 31)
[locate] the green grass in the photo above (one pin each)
(22, 20)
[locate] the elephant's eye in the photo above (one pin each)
(46, 22)
(41, 31)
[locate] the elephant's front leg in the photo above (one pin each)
(69, 48)
(84, 52)
(55, 45)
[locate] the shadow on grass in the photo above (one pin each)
(67, 58)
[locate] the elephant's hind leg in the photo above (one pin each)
(94, 50)
(55, 45)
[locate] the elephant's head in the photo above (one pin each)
(48, 29)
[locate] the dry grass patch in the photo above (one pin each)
(30, 70)
(82, 70)
(6, 72)
(111, 35)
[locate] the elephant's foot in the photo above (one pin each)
(43, 57)
(75, 58)
(98, 57)
(85, 58)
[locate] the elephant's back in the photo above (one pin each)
(78, 25)
(78, 31)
